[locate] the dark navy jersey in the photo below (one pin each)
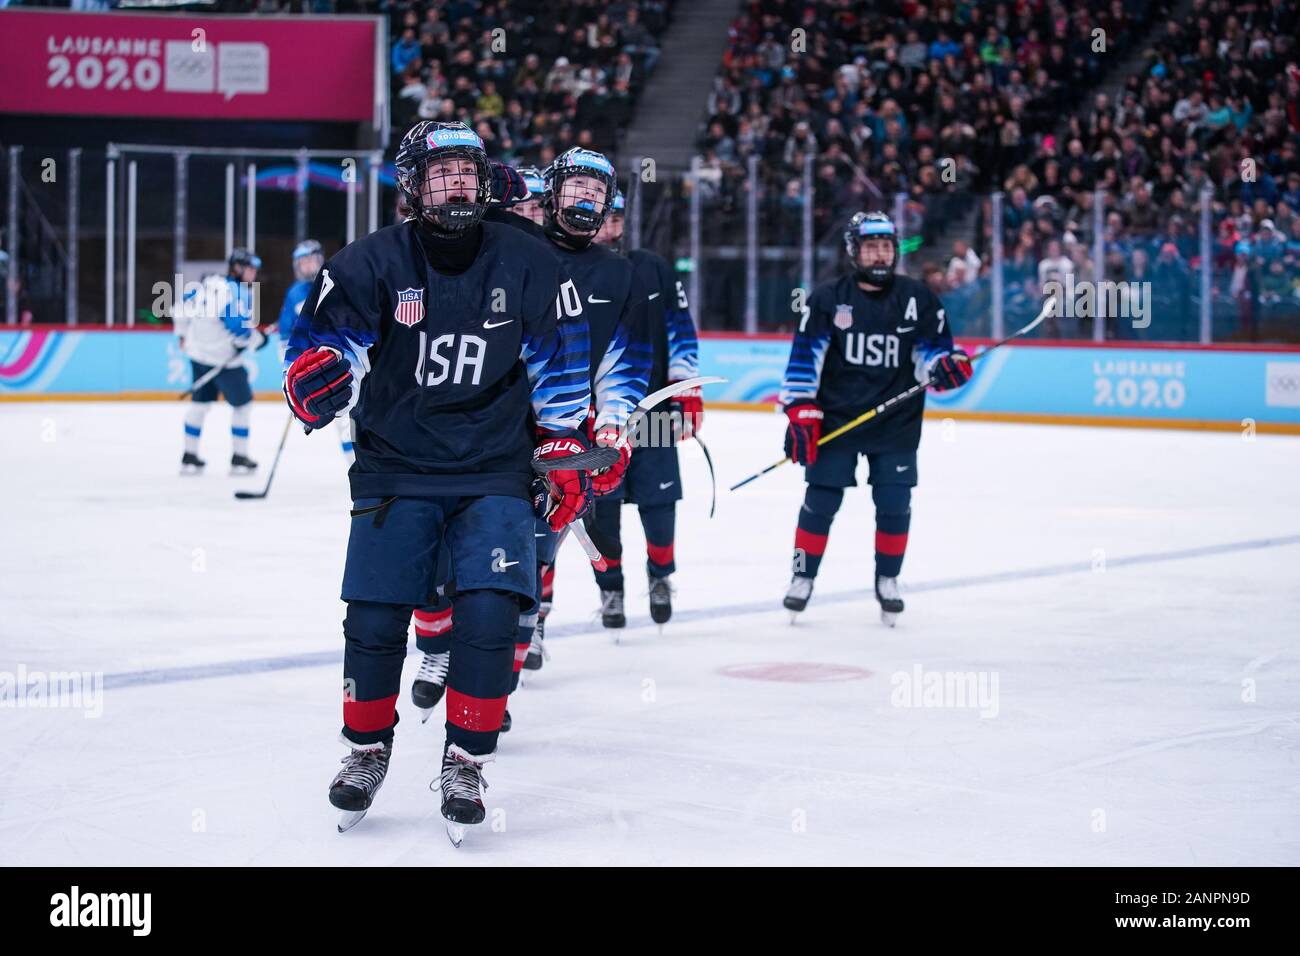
(452, 373)
(854, 349)
(613, 304)
(674, 345)
(506, 217)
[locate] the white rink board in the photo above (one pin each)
(1120, 737)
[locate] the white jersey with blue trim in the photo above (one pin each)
(217, 320)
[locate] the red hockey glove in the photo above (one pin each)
(318, 385)
(951, 371)
(689, 406)
(568, 491)
(607, 479)
(803, 431)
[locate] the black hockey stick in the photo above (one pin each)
(713, 479)
(603, 456)
(246, 495)
(216, 370)
(593, 459)
(903, 396)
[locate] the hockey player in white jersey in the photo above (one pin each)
(217, 329)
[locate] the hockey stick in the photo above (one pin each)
(903, 396)
(602, 456)
(216, 370)
(593, 553)
(209, 375)
(713, 478)
(577, 463)
(246, 495)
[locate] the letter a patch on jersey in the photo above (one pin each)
(410, 307)
(843, 317)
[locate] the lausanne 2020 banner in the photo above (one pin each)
(1221, 386)
(123, 64)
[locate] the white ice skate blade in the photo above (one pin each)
(455, 833)
(350, 818)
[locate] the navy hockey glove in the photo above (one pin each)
(803, 431)
(508, 187)
(951, 371)
(318, 385)
(567, 492)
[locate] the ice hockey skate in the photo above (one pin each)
(354, 787)
(891, 605)
(461, 785)
(430, 683)
(798, 595)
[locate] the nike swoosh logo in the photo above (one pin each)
(901, 467)
(494, 325)
(666, 484)
(594, 301)
(903, 329)
(539, 534)
(508, 564)
(654, 295)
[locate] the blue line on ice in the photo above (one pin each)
(172, 675)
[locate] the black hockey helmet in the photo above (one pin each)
(425, 144)
(584, 216)
(871, 225)
(242, 257)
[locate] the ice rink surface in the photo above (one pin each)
(1128, 601)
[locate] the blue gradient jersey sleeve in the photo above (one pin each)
(623, 376)
(683, 344)
(293, 300)
(803, 372)
(556, 356)
(237, 311)
(934, 337)
(346, 319)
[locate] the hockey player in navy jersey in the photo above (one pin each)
(579, 192)
(442, 336)
(864, 337)
(216, 327)
(512, 191)
(654, 482)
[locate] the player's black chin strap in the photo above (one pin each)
(556, 234)
(450, 253)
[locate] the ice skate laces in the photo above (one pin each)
(888, 588)
(434, 668)
(611, 602)
(363, 769)
(462, 775)
(800, 588)
(661, 590)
